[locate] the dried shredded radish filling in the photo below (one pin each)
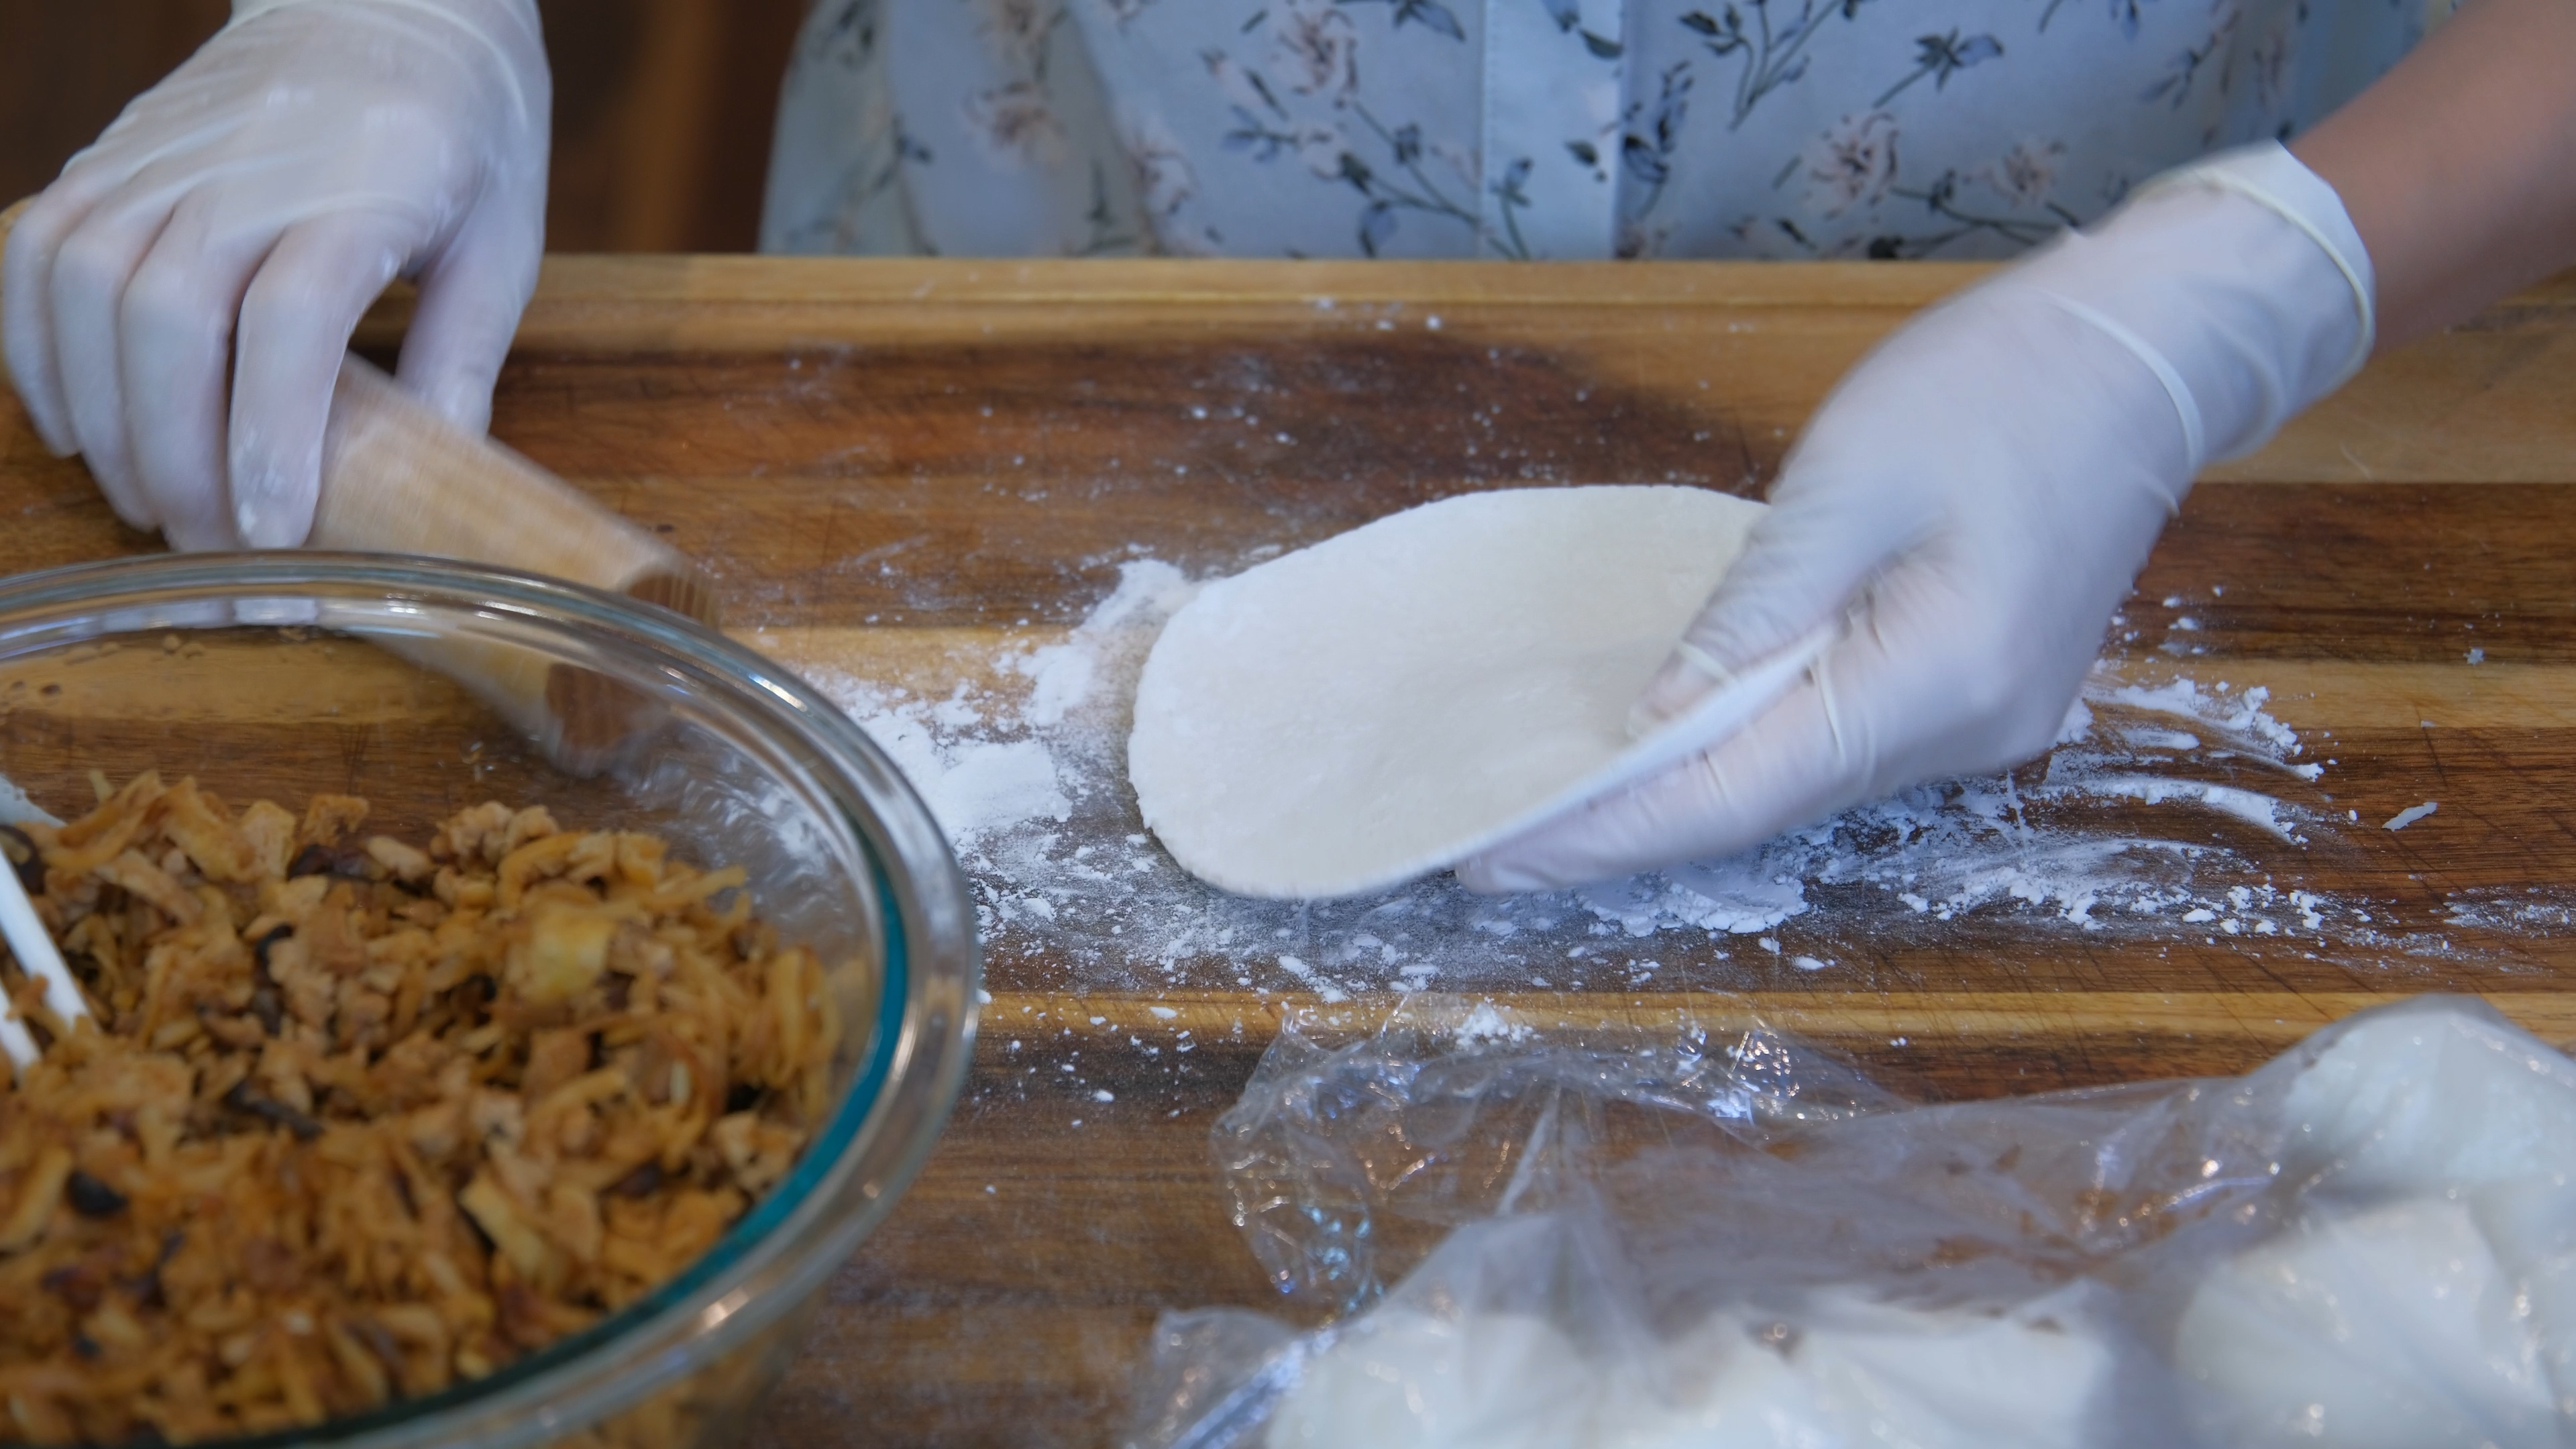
(359, 1118)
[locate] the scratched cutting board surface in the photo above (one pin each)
(909, 475)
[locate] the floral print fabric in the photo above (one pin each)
(1530, 128)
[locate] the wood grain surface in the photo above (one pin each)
(893, 467)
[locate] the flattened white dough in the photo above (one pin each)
(1389, 702)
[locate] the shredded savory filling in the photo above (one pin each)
(356, 1119)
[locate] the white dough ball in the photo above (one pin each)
(2387, 1329)
(1901, 1378)
(1404, 1379)
(2531, 1225)
(1860, 1374)
(1718, 1387)
(2409, 1102)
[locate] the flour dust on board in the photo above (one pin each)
(2167, 810)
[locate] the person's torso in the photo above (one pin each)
(1529, 128)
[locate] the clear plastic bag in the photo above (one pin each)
(1722, 1237)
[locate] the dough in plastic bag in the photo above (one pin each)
(2402, 1101)
(1718, 1237)
(1480, 1381)
(2392, 1328)
(1864, 1373)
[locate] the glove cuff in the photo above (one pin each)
(2268, 174)
(2239, 282)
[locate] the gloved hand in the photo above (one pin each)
(179, 301)
(1976, 498)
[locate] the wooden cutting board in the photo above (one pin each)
(889, 467)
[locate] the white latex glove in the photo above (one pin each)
(1975, 499)
(179, 301)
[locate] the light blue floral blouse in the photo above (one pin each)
(1529, 128)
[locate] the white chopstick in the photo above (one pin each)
(34, 948)
(14, 1040)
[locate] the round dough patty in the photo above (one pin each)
(1392, 700)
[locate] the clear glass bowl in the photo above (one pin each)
(427, 687)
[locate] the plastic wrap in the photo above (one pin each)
(1524, 1233)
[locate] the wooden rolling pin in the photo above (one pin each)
(398, 478)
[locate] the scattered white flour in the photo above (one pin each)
(1490, 1023)
(977, 787)
(2411, 814)
(1739, 897)
(2165, 811)
(2532, 910)
(1324, 986)
(2246, 731)
(1062, 675)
